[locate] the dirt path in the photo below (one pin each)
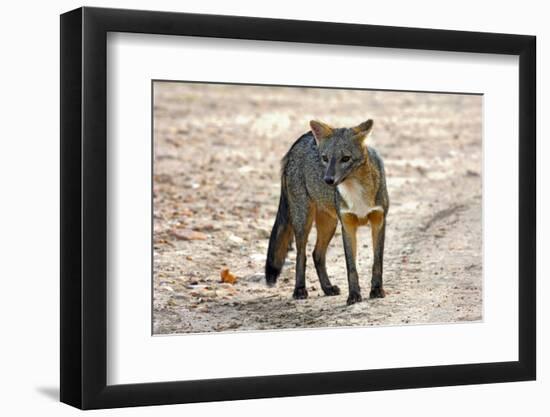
(216, 189)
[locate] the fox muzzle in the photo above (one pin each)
(330, 173)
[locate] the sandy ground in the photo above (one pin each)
(216, 190)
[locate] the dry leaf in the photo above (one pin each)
(227, 276)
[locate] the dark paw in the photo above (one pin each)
(354, 297)
(270, 281)
(377, 292)
(332, 290)
(271, 274)
(299, 294)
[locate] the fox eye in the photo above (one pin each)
(325, 158)
(345, 159)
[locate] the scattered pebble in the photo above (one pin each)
(188, 234)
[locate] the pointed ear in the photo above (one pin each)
(362, 131)
(320, 130)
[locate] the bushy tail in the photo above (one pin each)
(279, 242)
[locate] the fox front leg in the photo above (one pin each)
(349, 235)
(378, 228)
(326, 226)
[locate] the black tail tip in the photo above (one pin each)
(271, 275)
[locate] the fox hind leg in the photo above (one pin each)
(302, 219)
(326, 226)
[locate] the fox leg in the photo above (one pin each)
(378, 228)
(302, 219)
(326, 226)
(349, 235)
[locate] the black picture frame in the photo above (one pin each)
(84, 207)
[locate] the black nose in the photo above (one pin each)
(329, 180)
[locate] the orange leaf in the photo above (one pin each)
(227, 276)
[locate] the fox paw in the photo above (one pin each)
(354, 297)
(299, 294)
(332, 290)
(270, 280)
(377, 292)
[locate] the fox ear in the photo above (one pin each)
(320, 130)
(361, 131)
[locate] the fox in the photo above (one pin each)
(330, 176)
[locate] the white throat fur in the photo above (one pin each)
(355, 198)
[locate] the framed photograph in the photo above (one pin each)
(257, 208)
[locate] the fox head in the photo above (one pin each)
(342, 150)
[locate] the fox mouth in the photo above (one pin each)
(336, 182)
(340, 180)
(333, 181)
